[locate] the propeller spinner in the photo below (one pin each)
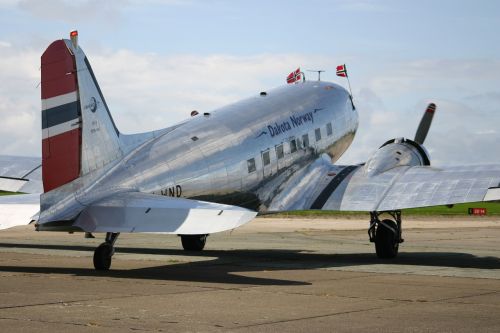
(425, 124)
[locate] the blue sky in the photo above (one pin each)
(157, 60)
(397, 28)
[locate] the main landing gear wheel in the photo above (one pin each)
(193, 242)
(104, 252)
(386, 234)
(386, 242)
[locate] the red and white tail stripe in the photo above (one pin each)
(60, 114)
(61, 117)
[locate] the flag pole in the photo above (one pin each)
(348, 82)
(350, 90)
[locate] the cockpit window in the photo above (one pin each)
(251, 165)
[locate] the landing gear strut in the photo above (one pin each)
(386, 234)
(104, 252)
(193, 242)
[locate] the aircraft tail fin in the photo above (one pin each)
(78, 132)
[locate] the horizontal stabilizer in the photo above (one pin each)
(20, 174)
(141, 212)
(12, 184)
(18, 209)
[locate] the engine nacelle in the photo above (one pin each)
(395, 153)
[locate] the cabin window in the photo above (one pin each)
(329, 130)
(305, 140)
(265, 158)
(279, 151)
(251, 165)
(317, 132)
(293, 146)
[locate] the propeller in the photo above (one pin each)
(425, 124)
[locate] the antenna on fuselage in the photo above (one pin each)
(319, 71)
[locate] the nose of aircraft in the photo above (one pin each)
(339, 91)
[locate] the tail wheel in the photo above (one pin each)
(386, 239)
(193, 242)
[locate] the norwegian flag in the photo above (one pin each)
(341, 70)
(294, 76)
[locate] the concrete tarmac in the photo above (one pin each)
(272, 275)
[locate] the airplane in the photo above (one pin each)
(272, 152)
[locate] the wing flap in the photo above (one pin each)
(492, 194)
(141, 212)
(419, 186)
(426, 186)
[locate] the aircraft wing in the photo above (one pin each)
(19, 209)
(350, 188)
(142, 212)
(20, 174)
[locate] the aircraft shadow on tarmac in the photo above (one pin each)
(228, 263)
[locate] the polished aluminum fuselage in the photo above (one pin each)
(233, 154)
(243, 154)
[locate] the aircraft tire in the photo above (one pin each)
(193, 242)
(386, 242)
(102, 257)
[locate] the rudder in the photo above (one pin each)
(78, 132)
(61, 117)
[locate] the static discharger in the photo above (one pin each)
(73, 35)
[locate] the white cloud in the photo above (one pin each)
(443, 75)
(144, 91)
(168, 88)
(150, 91)
(19, 102)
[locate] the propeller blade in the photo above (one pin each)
(425, 124)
